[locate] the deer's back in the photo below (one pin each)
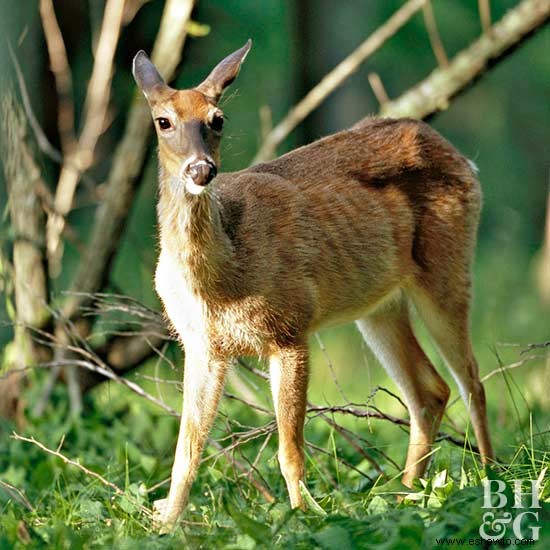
(347, 220)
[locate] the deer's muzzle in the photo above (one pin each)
(200, 172)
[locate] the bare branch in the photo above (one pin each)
(485, 15)
(128, 161)
(359, 413)
(99, 86)
(335, 78)
(41, 139)
(350, 440)
(433, 34)
(434, 93)
(40, 136)
(339, 458)
(61, 70)
(511, 366)
(81, 153)
(260, 486)
(378, 88)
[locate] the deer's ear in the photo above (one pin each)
(146, 74)
(224, 73)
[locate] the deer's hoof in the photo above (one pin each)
(163, 521)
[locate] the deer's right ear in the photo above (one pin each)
(224, 73)
(146, 74)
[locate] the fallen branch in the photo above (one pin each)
(117, 490)
(376, 413)
(69, 461)
(16, 494)
(350, 440)
(260, 487)
(341, 460)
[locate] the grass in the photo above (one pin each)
(49, 504)
(130, 444)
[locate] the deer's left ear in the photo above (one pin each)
(146, 74)
(224, 73)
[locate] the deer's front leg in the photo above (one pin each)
(289, 375)
(202, 387)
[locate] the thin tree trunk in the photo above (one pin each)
(29, 264)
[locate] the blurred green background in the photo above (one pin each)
(502, 123)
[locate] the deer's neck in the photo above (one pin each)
(192, 233)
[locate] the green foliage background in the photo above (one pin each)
(502, 123)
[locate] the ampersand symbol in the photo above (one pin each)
(496, 525)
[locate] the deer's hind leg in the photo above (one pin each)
(446, 318)
(441, 292)
(389, 334)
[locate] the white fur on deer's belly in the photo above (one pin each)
(227, 330)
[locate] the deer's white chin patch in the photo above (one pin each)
(193, 188)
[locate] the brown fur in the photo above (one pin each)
(360, 225)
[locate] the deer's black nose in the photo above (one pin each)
(201, 172)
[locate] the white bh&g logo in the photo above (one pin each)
(494, 525)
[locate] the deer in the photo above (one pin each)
(366, 225)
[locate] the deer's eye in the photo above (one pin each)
(164, 123)
(217, 123)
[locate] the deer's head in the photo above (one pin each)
(189, 123)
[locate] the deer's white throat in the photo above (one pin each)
(192, 187)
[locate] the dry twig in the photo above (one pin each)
(67, 460)
(117, 490)
(16, 494)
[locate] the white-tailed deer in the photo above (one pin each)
(358, 226)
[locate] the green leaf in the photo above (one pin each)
(258, 531)
(377, 505)
(148, 463)
(90, 510)
(334, 537)
(310, 501)
(196, 29)
(128, 505)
